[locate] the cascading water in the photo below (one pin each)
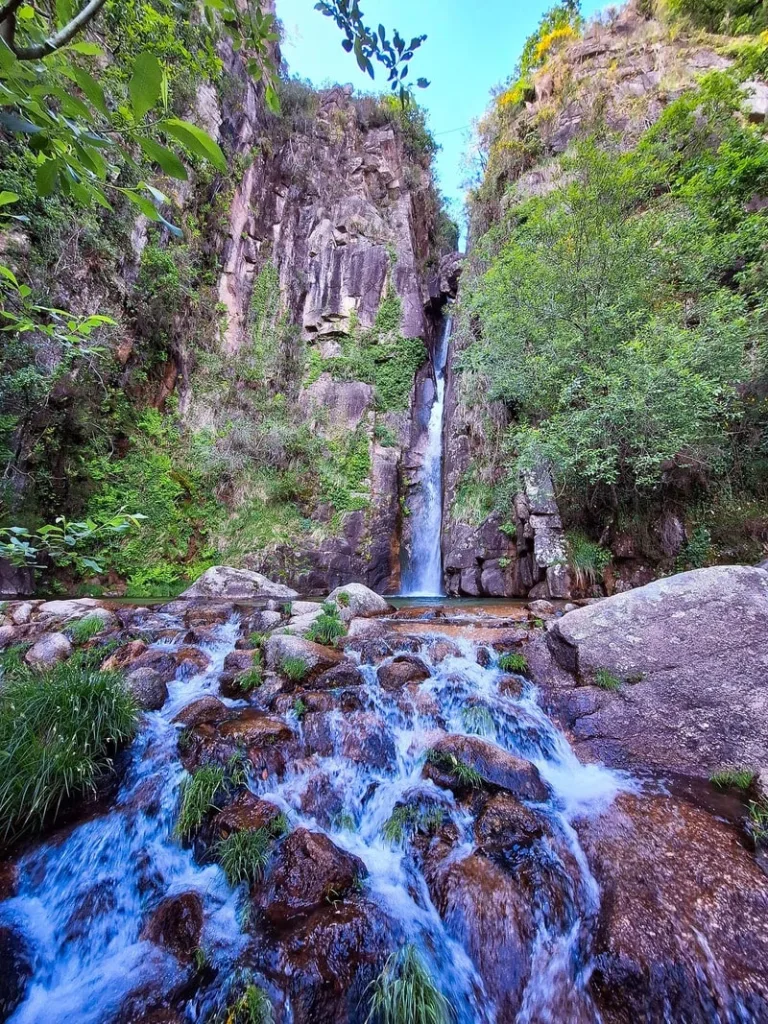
(423, 575)
(85, 896)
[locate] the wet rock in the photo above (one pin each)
(241, 661)
(207, 613)
(345, 674)
(244, 813)
(366, 740)
(222, 581)
(323, 797)
(124, 656)
(251, 729)
(97, 902)
(208, 709)
(439, 650)
(370, 651)
(191, 661)
(16, 960)
(149, 689)
(405, 668)
(176, 925)
(504, 824)
(496, 766)
(48, 651)
(541, 608)
(511, 686)
(309, 872)
(359, 602)
(316, 657)
(161, 659)
(680, 934)
(691, 652)
(365, 628)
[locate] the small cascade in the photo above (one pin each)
(423, 575)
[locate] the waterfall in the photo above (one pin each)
(423, 575)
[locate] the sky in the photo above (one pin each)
(472, 45)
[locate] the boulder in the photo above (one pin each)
(541, 607)
(161, 659)
(49, 650)
(21, 613)
(346, 673)
(405, 668)
(360, 602)
(8, 635)
(191, 661)
(252, 728)
(496, 767)
(675, 931)
(302, 623)
(310, 871)
(176, 925)
(222, 581)
(365, 628)
(68, 611)
(691, 652)
(316, 657)
(149, 689)
(245, 813)
(124, 656)
(204, 710)
(299, 608)
(366, 740)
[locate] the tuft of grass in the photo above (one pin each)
(343, 599)
(200, 959)
(197, 798)
(464, 772)
(606, 680)
(294, 669)
(478, 720)
(244, 855)
(253, 1007)
(405, 993)
(587, 560)
(406, 819)
(237, 768)
(732, 778)
(58, 732)
(327, 627)
(257, 640)
(85, 629)
(250, 680)
(513, 662)
(12, 664)
(299, 708)
(757, 822)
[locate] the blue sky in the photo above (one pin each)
(471, 47)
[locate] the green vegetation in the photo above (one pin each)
(328, 627)
(606, 680)
(250, 680)
(85, 629)
(299, 708)
(732, 17)
(619, 319)
(406, 819)
(253, 1007)
(758, 822)
(244, 855)
(294, 668)
(478, 720)
(587, 560)
(198, 793)
(404, 993)
(58, 732)
(512, 661)
(733, 778)
(463, 772)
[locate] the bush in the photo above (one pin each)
(512, 661)
(58, 732)
(587, 560)
(327, 627)
(404, 993)
(294, 669)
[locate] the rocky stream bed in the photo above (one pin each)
(411, 791)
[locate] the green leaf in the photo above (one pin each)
(91, 89)
(45, 177)
(9, 275)
(8, 197)
(87, 49)
(168, 162)
(196, 140)
(147, 207)
(146, 84)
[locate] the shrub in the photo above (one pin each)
(327, 627)
(197, 798)
(294, 669)
(587, 559)
(343, 599)
(465, 773)
(253, 1007)
(512, 661)
(404, 993)
(606, 680)
(58, 732)
(85, 629)
(732, 778)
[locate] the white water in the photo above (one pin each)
(423, 575)
(120, 865)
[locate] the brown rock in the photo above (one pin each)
(405, 668)
(496, 766)
(254, 729)
(244, 813)
(176, 925)
(310, 872)
(345, 674)
(366, 740)
(124, 656)
(206, 709)
(191, 661)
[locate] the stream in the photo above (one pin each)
(84, 896)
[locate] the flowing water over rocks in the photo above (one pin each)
(428, 799)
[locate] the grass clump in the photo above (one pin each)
(587, 560)
(405, 993)
(462, 771)
(478, 720)
(757, 822)
(85, 629)
(343, 599)
(244, 855)
(250, 680)
(197, 798)
(300, 708)
(58, 732)
(406, 819)
(327, 627)
(606, 680)
(732, 778)
(253, 1007)
(513, 662)
(294, 668)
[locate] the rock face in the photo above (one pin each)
(224, 582)
(691, 652)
